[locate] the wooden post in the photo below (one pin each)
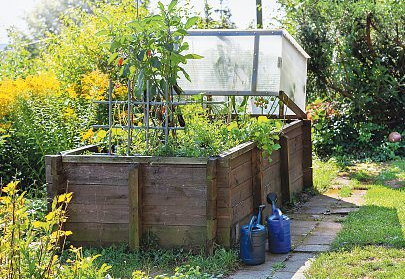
(135, 208)
(211, 205)
(291, 105)
(55, 178)
(257, 184)
(284, 169)
(307, 154)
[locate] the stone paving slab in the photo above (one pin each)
(314, 226)
(312, 248)
(318, 239)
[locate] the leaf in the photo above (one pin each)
(103, 32)
(112, 57)
(191, 22)
(276, 146)
(114, 45)
(126, 70)
(155, 62)
(181, 32)
(161, 7)
(141, 55)
(186, 75)
(172, 5)
(193, 56)
(139, 86)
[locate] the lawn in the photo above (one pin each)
(371, 243)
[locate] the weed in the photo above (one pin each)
(278, 266)
(324, 173)
(345, 192)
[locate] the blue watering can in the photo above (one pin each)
(253, 241)
(279, 228)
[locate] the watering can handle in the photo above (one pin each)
(251, 224)
(280, 217)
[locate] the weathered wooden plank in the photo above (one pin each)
(224, 236)
(256, 187)
(297, 186)
(241, 192)
(271, 173)
(135, 208)
(292, 126)
(242, 209)
(177, 209)
(307, 150)
(241, 159)
(291, 105)
(211, 236)
(178, 236)
(223, 197)
(295, 144)
(238, 150)
(182, 219)
(295, 167)
(275, 158)
(172, 199)
(223, 177)
(152, 160)
(284, 169)
(97, 233)
(55, 161)
(98, 213)
(294, 132)
(94, 194)
(308, 178)
(98, 174)
(174, 176)
(240, 174)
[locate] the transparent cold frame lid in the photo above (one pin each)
(240, 63)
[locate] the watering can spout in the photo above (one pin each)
(272, 199)
(259, 216)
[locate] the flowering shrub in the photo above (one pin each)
(42, 84)
(29, 248)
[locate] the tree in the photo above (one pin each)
(357, 50)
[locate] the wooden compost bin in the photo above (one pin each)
(184, 202)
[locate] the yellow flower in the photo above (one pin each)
(88, 134)
(262, 118)
(232, 125)
(94, 86)
(42, 84)
(101, 134)
(69, 113)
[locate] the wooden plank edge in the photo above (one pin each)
(80, 150)
(151, 160)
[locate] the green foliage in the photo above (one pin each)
(29, 247)
(124, 262)
(41, 126)
(357, 50)
(205, 135)
(324, 174)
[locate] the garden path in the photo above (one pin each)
(314, 225)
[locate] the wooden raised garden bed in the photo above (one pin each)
(184, 202)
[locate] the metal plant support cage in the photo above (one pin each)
(278, 68)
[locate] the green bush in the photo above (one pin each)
(40, 126)
(357, 61)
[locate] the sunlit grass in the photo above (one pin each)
(371, 243)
